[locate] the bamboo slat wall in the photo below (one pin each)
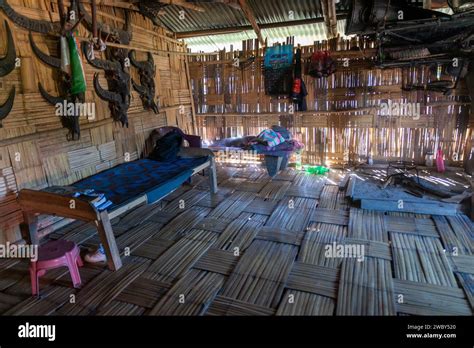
(34, 152)
(343, 123)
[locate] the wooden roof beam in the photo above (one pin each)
(329, 12)
(248, 12)
(230, 30)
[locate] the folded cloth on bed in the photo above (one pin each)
(270, 137)
(129, 180)
(99, 200)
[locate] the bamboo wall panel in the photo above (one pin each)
(343, 122)
(34, 152)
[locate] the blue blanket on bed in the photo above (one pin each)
(129, 180)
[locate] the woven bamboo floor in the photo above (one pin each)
(258, 248)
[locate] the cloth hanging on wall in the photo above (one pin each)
(78, 79)
(278, 70)
(321, 64)
(299, 92)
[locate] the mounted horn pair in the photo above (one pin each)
(147, 71)
(70, 122)
(151, 10)
(118, 80)
(107, 32)
(36, 25)
(7, 64)
(118, 103)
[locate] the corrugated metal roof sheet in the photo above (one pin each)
(218, 15)
(304, 35)
(215, 16)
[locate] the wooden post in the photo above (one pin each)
(107, 239)
(190, 88)
(29, 227)
(213, 176)
(248, 12)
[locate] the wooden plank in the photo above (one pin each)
(437, 208)
(107, 238)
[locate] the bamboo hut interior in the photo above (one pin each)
(237, 157)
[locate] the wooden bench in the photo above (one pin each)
(35, 202)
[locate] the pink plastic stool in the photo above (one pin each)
(56, 254)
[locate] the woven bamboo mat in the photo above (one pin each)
(120, 308)
(238, 234)
(181, 256)
(259, 247)
(144, 292)
(183, 223)
(366, 288)
(313, 247)
(421, 259)
(261, 273)
(191, 295)
(304, 303)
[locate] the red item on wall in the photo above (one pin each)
(321, 64)
(297, 86)
(439, 161)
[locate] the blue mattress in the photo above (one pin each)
(129, 180)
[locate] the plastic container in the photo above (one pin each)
(439, 161)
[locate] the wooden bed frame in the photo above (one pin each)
(35, 202)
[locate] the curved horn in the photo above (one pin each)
(103, 64)
(120, 35)
(48, 97)
(6, 107)
(7, 63)
(140, 89)
(39, 26)
(104, 94)
(48, 60)
(137, 64)
(155, 108)
(150, 58)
